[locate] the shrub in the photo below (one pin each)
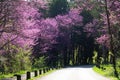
(58, 7)
(39, 63)
(14, 60)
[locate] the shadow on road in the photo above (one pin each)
(81, 66)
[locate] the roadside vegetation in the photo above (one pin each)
(108, 70)
(37, 34)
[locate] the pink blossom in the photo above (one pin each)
(103, 40)
(64, 20)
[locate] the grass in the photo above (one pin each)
(8, 75)
(107, 72)
(23, 72)
(5, 76)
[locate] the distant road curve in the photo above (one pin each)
(74, 73)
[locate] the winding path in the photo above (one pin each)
(74, 73)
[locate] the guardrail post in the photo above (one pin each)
(36, 73)
(40, 72)
(28, 75)
(43, 70)
(18, 76)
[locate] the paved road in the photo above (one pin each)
(76, 73)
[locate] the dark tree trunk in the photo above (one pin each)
(111, 40)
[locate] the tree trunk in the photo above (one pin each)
(111, 40)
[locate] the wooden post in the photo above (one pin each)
(28, 75)
(44, 70)
(18, 76)
(40, 72)
(36, 73)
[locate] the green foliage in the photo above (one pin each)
(118, 66)
(5, 75)
(95, 57)
(58, 7)
(118, 62)
(95, 12)
(100, 71)
(14, 60)
(108, 71)
(87, 17)
(39, 63)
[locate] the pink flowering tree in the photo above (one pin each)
(23, 20)
(110, 28)
(60, 36)
(48, 31)
(17, 20)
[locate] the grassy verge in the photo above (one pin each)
(10, 74)
(5, 76)
(107, 72)
(34, 78)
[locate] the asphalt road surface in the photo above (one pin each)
(74, 73)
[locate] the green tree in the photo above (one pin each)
(14, 59)
(39, 63)
(58, 7)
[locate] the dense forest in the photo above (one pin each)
(52, 33)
